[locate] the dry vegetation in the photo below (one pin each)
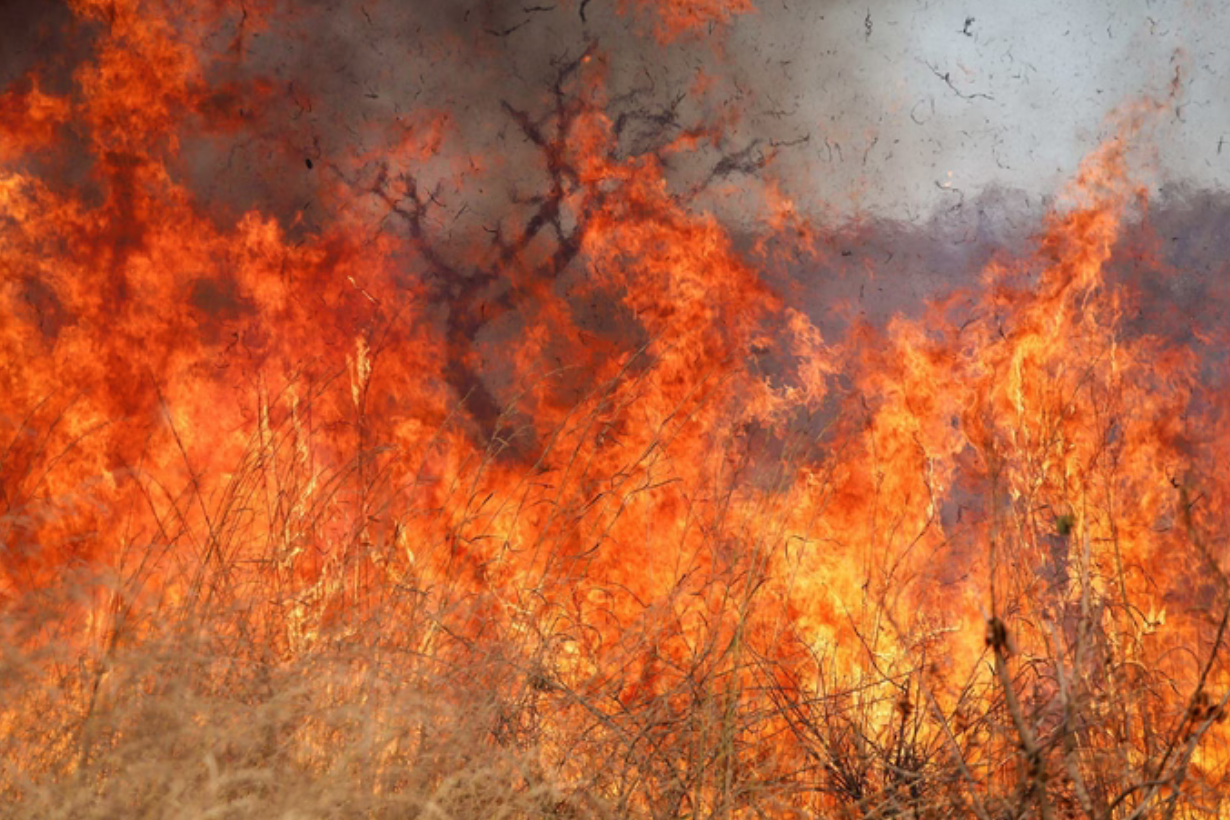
(657, 584)
(388, 689)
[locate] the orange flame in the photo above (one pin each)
(603, 449)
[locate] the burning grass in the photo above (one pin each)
(620, 535)
(271, 653)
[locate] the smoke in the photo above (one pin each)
(37, 37)
(884, 107)
(907, 102)
(924, 137)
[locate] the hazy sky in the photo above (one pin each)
(1029, 88)
(900, 100)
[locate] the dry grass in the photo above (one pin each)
(244, 686)
(628, 610)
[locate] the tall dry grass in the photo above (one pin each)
(275, 650)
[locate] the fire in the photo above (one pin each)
(677, 18)
(583, 516)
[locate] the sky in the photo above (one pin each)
(895, 108)
(936, 94)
